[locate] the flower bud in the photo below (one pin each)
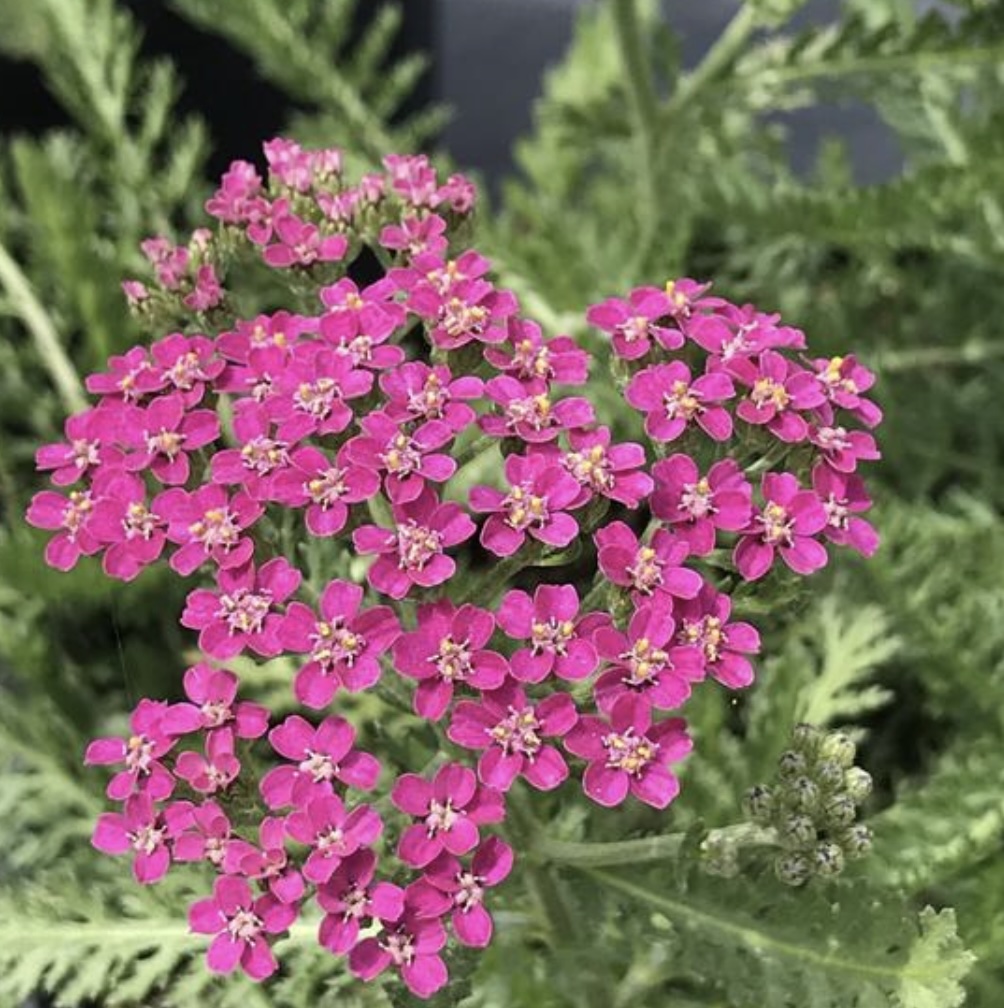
(758, 804)
(857, 783)
(791, 764)
(793, 869)
(856, 841)
(805, 737)
(803, 794)
(838, 747)
(840, 811)
(828, 860)
(829, 775)
(798, 831)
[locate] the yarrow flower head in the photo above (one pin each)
(402, 494)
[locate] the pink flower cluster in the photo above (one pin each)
(198, 445)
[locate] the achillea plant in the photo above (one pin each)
(250, 453)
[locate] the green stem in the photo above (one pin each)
(645, 849)
(478, 446)
(724, 51)
(37, 321)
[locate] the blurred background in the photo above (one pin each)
(839, 162)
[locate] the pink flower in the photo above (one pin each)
(529, 413)
(209, 525)
(259, 460)
(732, 332)
(212, 693)
(686, 300)
(629, 754)
(300, 243)
(268, 863)
(321, 755)
(214, 771)
(289, 164)
(843, 497)
(133, 533)
(642, 664)
(559, 641)
(129, 376)
(528, 357)
(538, 494)
(842, 380)
(406, 460)
(703, 623)
(696, 506)
(241, 925)
(491, 864)
(607, 470)
(416, 235)
(145, 831)
(646, 570)
(670, 401)
(327, 488)
(239, 185)
(632, 323)
(187, 364)
(473, 310)
(787, 522)
(358, 325)
(280, 331)
(447, 813)
(170, 262)
(70, 517)
(163, 434)
(141, 753)
(351, 900)
(207, 292)
(416, 391)
(89, 447)
(448, 649)
(409, 941)
(312, 392)
(842, 449)
(242, 613)
(441, 274)
(777, 388)
(344, 644)
(412, 553)
(205, 837)
(510, 730)
(332, 833)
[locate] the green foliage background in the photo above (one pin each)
(634, 172)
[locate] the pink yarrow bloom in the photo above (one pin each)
(842, 449)
(344, 643)
(320, 757)
(447, 812)
(332, 833)
(407, 460)
(188, 364)
(269, 863)
(698, 506)
(241, 925)
(646, 570)
(206, 836)
(791, 516)
(88, 449)
(259, 460)
(129, 377)
(534, 505)
(208, 524)
(211, 706)
(511, 731)
(132, 532)
(212, 771)
(447, 650)
(607, 470)
(416, 391)
(528, 357)
(670, 401)
(559, 640)
(842, 380)
(413, 552)
(163, 435)
(351, 900)
(300, 243)
(241, 614)
(409, 941)
(70, 518)
(629, 754)
(529, 413)
(844, 497)
(326, 488)
(141, 753)
(778, 389)
(491, 865)
(633, 324)
(144, 831)
(643, 664)
(704, 623)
